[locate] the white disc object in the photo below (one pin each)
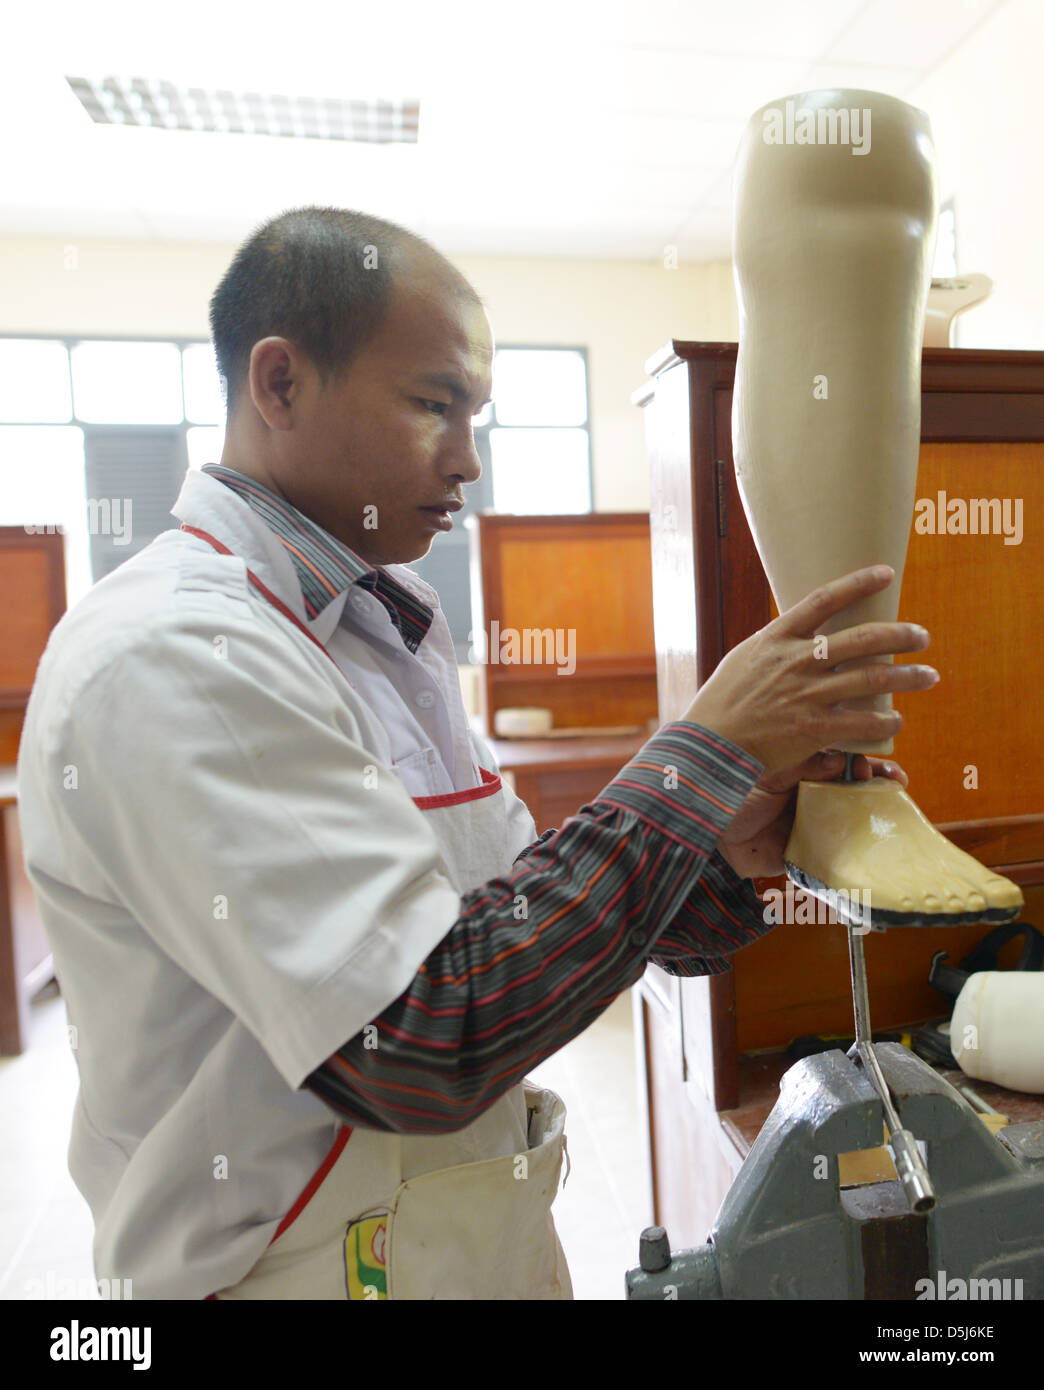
(997, 1029)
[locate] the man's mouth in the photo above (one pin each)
(440, 514)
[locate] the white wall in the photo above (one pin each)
(622, 311)
(984, 105)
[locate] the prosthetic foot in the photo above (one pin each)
(871, 839)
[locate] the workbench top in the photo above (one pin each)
(760, 1075)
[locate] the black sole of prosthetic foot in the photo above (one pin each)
(880, 919)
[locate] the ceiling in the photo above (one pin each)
(596, 128)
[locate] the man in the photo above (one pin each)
(304, 933)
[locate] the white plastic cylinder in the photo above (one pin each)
(997, 1029)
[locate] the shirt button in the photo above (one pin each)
(357, 601)
(426, 699)
(638, 938)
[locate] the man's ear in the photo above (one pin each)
(281, 386)
(271, 378)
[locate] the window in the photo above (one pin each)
(535, 386)
(538, 436)
(127, 383)
(204, 443)
(203, 401)
(944, 266)
(95, 438)
(45, 486)
(34, 381)
(534, 444)
(539, 471)
(97, 435)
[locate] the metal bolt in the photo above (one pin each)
(654, 1249)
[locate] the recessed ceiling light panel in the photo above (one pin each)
(142, 101)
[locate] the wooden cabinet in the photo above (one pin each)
(25, 953)
(555, 778)
(32, 578)
(565, 604)
(711, 1048)
(571, 601)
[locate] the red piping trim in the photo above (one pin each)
(205, 535)
(312, 1187)
(276, 602)
(492, 785)
(314, 1182)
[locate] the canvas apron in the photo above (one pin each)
(430, 1216)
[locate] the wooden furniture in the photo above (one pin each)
(32, 580)
(556, 779)
(25, 954)
(585, 584)
(588, 576)
(711, 1048)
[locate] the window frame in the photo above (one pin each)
(71, 340)
(181, 342)
(481, 492)
(492, 423)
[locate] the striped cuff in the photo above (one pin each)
(687, 782)
(720, 916)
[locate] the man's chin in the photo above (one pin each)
(406, 553)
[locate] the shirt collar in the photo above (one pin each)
(325, 567)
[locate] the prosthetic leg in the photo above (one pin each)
(832, 245)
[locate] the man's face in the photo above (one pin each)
(392, 435)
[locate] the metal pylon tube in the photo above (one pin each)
(909, 1164)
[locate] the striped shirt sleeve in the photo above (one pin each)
(722, 914)
(538, 954)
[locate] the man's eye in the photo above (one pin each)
(435, 407)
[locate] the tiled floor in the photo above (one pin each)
(45, 1225)
(46, 1229)
(601, 1210)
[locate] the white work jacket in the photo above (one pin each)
(232, 879)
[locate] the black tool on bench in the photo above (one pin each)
(932, 1041)
(951, 979)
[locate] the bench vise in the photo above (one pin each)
(788, 1230)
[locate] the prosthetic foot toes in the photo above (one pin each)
(871, 840)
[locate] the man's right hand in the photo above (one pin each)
(773, 697)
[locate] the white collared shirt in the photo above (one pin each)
(231, 881)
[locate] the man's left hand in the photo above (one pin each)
(757, 835)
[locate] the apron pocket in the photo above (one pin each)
(484, 1230)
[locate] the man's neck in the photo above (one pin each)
(250, 468)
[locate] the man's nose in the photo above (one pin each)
(462, 458)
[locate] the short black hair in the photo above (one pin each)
(319, 276)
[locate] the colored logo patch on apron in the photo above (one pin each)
(364, 1269)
